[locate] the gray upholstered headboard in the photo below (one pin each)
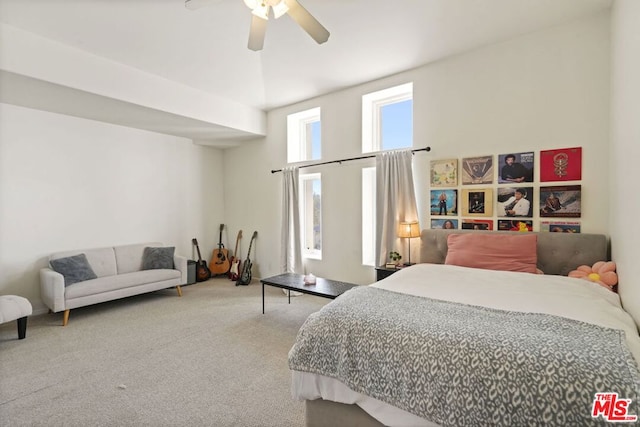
(558, 253)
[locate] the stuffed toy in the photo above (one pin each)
(602, 273)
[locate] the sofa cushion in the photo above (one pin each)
(75, 269)
(157, 258)
(120, 281)
(101, 260)
(129, 257)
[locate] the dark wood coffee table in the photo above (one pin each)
(295, 282)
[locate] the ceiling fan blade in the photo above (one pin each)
(197, 4)
(256, 33)
(307, 21)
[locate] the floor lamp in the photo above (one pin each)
(409, 229)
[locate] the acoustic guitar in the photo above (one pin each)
(220, 258)
(234, 271)
(202, 271)
(245, 276)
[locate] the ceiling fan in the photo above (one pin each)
(260, 10)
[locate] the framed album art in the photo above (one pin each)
(477, 170)
(564, 164)
(444, 173)
(515, 225)
(560, 226)
(444, 202)
(514, 168)
(515, 201)
(477, 202)
(477, 224)
(447, 224)
(561, 201)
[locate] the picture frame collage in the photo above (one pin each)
(499, 192)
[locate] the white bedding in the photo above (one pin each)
(557, 295)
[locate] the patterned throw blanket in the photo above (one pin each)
(456, 364)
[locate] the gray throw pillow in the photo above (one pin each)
(156, 258)
(74, 269)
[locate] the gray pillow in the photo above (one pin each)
(74, 269)
(156, 258)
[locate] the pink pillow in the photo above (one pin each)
(505, 252)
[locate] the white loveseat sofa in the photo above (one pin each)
(119, 274)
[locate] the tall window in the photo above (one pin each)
(303, 136)
(311, 215)
(387, 124)
(369, 216)
(387, 119)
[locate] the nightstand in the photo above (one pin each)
(382, 272)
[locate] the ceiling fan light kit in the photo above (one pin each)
(279, 9)
(260, 11)
(260, 8)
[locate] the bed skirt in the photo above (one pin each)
(325, 413)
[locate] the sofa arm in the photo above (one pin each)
(52, 289)
(180, 264)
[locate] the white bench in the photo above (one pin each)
(13, 307)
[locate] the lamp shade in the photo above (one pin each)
(409, 229)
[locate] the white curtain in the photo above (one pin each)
(395, 201)
(291, 243)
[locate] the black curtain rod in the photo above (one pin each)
(348, 160)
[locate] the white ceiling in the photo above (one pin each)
(206, 48)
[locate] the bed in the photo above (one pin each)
(441, 344)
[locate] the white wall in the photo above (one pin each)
(545, 90)
(625, 149)
(69, 183)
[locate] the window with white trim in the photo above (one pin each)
(311, 215)
(369, 216)
(304, 136)
(387, 119)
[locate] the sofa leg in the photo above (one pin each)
(179, 289)
(22, 328)
(65, 317)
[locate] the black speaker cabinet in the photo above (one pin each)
(191, 272)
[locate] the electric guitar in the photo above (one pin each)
(202, 271)
(245, 276)
(234, 271)
(219, 263)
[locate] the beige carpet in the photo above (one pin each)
(210, 358)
